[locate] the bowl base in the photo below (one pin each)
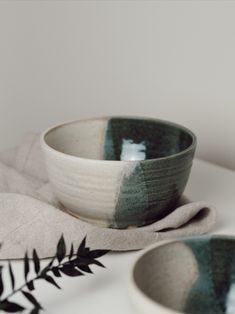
(104, 224)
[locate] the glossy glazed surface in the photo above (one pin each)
(135, 139)
(195, 276)
(119, 172)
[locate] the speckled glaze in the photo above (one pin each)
(194, 276)
(119, 172)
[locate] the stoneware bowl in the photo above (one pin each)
(194, 276)
(119, 172)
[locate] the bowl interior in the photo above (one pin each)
(119, 139)
(194, 276)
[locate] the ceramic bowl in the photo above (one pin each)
(119, 172)
(194, 276)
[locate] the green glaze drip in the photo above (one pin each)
(133, 184)
(150, 188)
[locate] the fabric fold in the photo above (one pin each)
(31, 216)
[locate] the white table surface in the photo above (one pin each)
(106, 292)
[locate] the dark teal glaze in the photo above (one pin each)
(133, 197)
(214, 291)
(159, 138)
(163, 153)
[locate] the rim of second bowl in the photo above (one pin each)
(72, 157)
(134, 288)
(138, 293)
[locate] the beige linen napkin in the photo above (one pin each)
(31, 217)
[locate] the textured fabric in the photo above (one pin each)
(31, 217)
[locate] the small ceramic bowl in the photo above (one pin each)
(194, 276)
(119, 172)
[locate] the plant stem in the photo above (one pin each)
(35, 278)
(19, 289)
(27, 282)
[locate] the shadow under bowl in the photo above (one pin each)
(119, 172)
(193, 276)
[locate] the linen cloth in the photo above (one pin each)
(31, 216)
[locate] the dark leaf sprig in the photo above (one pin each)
(76, 264)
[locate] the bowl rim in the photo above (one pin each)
(46, 146)
(133, 286)
(134, 289)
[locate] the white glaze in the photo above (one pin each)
(87, 187)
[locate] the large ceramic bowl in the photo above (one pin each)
(194, 276)
(119, 172)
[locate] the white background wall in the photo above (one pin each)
(62, 60)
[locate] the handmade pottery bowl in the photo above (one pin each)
(194, 276)
(119, 172)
